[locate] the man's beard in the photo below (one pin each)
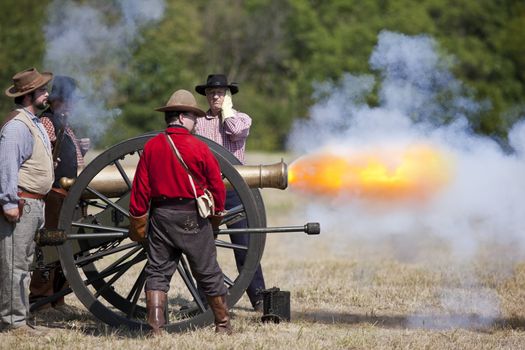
(41, 106)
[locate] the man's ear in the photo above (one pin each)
(29, 98)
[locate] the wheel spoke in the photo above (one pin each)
(96, 204)
(100, 276)
(234, 215)
(121, 259)
(136, 290)
(108, 201)
(122, 269)
(234, 219)
(235, 210)
(191, 287)
(123, 173)
(99, 227)
(224, 244)
(184, 263)
(91, 258)
(228, 280)
(137, 285)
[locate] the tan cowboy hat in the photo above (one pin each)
(26, 81)
(182, 101)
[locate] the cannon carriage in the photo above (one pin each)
(105, 269)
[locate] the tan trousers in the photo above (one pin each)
(17, 248)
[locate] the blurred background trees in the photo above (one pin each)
(277, 49)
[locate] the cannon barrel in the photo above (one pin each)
(111, 183)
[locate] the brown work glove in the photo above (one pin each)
(137, 227)
(216, 219)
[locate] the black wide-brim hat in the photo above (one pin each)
(217, 81)
(63, 88)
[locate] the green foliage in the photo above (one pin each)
(22, 41)
(160, 66)
(277, 49)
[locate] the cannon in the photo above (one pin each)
(105, 269)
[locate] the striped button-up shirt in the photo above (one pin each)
(50, 129)
(231, 134)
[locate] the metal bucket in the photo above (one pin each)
(276, 305)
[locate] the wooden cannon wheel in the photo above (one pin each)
(107, 273)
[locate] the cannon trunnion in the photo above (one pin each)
(105, 270)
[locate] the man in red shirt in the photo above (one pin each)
(175, 226)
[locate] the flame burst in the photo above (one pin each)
(414, 172)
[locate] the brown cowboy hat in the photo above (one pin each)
(182, 101)
(215, 81)
(27, 81)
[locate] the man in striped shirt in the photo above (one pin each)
(68, 154)
(230, 128)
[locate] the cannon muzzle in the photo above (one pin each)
(111, 183)
(263, 176)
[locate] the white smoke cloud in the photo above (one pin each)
(421, 102)
(86, 43)
(484, 201)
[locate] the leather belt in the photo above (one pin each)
(174, 203)
(24, 194)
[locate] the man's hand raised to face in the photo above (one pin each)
(227, 106)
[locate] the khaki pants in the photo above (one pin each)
(17, 248)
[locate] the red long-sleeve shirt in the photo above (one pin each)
(160, 174)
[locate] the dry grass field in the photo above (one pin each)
(346, 293)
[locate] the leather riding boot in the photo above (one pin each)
(41, 286)
(155, 304)
(221, 313)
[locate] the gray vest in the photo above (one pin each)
(36, 173)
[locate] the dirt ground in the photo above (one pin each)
(346, 293)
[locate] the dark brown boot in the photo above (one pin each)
(40, 287)
(155, 304)
(222, 315)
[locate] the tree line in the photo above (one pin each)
(278, 49)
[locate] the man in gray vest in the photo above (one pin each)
(26, 175)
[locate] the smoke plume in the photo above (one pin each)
(419, 101)
(93, 45)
